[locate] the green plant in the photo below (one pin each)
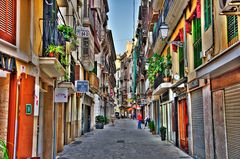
(151, 126)
(68, 32)
(100, 119)
(3, 149)
(163, 132)
(168, 66)
(155, 66)
(54, 50)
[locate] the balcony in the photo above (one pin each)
(172, 16)
(51, 66)
(154, 16)
(88, 19)
(93, 82)
(69, 85)
(87, 53)
(158, 4)
(160, 86)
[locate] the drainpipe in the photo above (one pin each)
(16, 120)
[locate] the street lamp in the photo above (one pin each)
(164, 30)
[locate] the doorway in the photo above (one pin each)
(183, 124)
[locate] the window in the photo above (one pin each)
(181, 61)
(232, 29)
(207, 13)
(197, 42)
(8, 20)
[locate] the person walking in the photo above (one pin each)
(113, 119)
(146, 120)
(139, 118)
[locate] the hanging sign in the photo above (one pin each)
(82, 86)
(61, 95)
(82, 32)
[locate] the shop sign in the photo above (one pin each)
(82, 32)
(7, 63)
(36, 100)
(82, 86)
(61, 95)
(193, 84)
(28, 109)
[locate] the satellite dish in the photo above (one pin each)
(176, 77)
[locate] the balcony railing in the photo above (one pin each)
(158, 80)
(93, 82)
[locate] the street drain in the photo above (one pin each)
(120, 141)
(63, 158)
(123, 129)
(184, 157)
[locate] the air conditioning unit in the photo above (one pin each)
(230, 7)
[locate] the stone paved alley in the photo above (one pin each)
(123, 141)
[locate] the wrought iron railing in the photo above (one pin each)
(158, 80)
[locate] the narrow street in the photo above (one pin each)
(122, 141)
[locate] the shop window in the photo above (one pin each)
(232, 29)
(197, 42)
(207, 13)
(8, 20)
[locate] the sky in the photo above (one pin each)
(121, 22)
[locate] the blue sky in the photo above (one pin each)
(121, 22)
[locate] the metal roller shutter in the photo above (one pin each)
(198, 124)
(232, 111)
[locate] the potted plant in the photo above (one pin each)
(54, 51)
(163, 133)
(167, 68)
(3, 149)
(68, 32)
(106, 120)
(100, 122)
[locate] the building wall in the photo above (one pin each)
(48, 115)
(25, 28)
(4, 102)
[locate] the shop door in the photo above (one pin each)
(232, 118)
(25, 127)
(198, 124)
(183, 124)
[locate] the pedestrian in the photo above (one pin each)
(147, 119)
(113, 119)
(139, 118)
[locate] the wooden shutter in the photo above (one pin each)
(181, 62)
(232, 29)
(207, 13)
(197, 45)
(8, 20)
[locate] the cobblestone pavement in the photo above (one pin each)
(123, 141)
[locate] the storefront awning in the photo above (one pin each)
(162, 88)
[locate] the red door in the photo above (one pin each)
(183, 124)
(25, 126)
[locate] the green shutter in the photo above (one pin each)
(207, 13)
(197, 42)
(181, 62)
(232, 27)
